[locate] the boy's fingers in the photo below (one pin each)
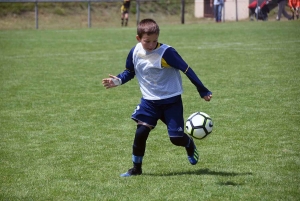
(207, 98)
(112, 76)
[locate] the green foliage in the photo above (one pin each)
(64, 137)
(59, 11)
(15, 8)
(56, 8)
(172, 8)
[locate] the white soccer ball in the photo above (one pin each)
(199, 125)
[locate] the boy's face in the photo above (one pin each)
(149, 42)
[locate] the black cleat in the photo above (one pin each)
(132, 172)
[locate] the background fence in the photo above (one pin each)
(173, 9)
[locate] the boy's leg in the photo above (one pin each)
(139, 143)
(190, 147)
(173, 118)
(192, 152)
(138, 150)
(145, 115)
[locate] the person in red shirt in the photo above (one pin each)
(294, 6)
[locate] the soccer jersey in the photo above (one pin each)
(125, 6)
(156, 82)
(158, 72)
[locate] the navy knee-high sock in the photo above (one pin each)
(139, 145)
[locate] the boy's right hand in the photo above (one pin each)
(112, 81)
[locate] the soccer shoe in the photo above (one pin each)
(194, 158)
(192, 152)
(132, 172)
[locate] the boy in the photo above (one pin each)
(156, 67)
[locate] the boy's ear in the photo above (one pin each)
(138, 38)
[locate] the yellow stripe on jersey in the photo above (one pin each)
(164, 63)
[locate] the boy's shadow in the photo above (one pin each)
(205, 171)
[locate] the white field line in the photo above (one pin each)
(238, 45)
(51, 40)
(63, 54)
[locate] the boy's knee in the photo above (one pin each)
(142, 133)
(179, 138)
(139, 143)
(178, 141)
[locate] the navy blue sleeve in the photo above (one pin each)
(129, 72)
(172, 58)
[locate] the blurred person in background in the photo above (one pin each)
(281, 10)
(218, 6)
(294, 6)
(125, 12)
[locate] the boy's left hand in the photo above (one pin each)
(207, 98)
(110, 82)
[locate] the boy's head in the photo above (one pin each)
(147, 34)
(147, 26)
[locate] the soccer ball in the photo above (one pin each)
(199, 125)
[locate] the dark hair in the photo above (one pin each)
(147, 26)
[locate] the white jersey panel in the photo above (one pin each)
(156, 82)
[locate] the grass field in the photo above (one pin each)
(64, 137)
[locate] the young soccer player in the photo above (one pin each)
(125, 12)
(157, 67)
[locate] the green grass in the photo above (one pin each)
(64, 137)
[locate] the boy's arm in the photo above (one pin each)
(174, 59)
(129, 72)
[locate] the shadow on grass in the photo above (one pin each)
(205, 171)
(230, 183)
